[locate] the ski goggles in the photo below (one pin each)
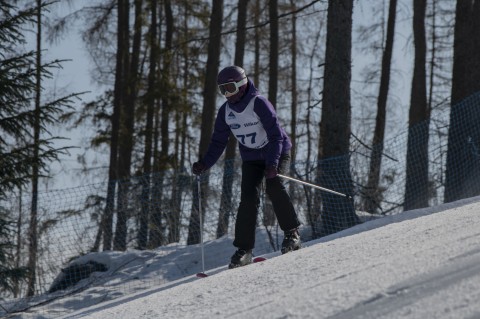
(231, 88)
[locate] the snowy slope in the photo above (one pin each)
(419, 264)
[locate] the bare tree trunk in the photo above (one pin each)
(142, 236)
(156, 228)
(182, 177)
(209, 106)
(293, 124)
(417, 183)
(33, 226)
(314, 207)
(157, 237)
(256, 63)
(118, 101)
(164, 160)
(335, 126)
(373, 194)
(268, 214)
(432, 63)
(18, 245)
(462, 169)
(167, 88)
(273, 54)
(226, 208)
(127, 125)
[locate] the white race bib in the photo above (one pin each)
(246, 126)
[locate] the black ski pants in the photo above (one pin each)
(252, 176)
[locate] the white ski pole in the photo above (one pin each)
(315, 186)
(202, 274)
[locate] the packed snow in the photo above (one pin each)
(417, 264)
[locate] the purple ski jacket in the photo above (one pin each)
(278, 140)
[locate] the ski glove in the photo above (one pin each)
(270, 172)
(198, 168)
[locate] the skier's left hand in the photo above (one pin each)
(271, 172)
(198, 168)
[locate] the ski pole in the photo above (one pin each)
(202, 274)
(315, 186)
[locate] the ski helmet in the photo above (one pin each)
(232, 83)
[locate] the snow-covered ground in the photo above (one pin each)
(418, 264)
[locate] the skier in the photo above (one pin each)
(264, 148)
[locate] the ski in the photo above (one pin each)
(259, 259)
(254, 261)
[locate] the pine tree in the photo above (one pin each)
(16, 84)
(20, 75)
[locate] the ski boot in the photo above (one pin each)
(291, 241)
(241, 258)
